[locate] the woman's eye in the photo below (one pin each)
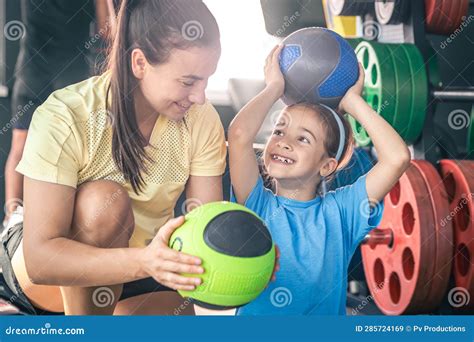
(277, 132)
(186, 84)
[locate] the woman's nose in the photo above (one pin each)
(197, 98)
(198, 95)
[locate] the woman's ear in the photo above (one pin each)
(329, 166)
(139, 63)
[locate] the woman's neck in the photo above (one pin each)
(145, 115)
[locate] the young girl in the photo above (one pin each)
(106, 160)
(317, 232)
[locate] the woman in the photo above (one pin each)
(105, 162)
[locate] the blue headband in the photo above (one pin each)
(342, 134)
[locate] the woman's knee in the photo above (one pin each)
(103, 215)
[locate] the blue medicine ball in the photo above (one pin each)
(319, 66)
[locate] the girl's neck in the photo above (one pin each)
(296, 190)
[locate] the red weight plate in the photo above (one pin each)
(448, 11)
(443, 233)
(462, 11)
(397, 274)
(441, 14)
(445, 16)
(458, 178)
(432, 8)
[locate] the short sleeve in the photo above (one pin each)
(51, 152)
(356, 212)
(258, 199)
(208, 138)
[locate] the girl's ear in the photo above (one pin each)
(139, 63)
(329, 166)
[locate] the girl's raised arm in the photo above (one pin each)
(392, 152)
(243, 129)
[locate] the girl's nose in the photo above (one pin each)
(282, 144)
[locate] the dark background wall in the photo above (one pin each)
(10, 11)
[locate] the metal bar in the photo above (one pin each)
(379, 236)
(458, 94)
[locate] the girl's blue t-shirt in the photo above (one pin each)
(317, 239)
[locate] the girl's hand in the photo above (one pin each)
(273, 75)
(353, 92)
(165, 265)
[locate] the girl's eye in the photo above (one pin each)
(303, 139)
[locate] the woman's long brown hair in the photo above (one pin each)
(156, 27)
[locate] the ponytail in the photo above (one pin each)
(155, 27)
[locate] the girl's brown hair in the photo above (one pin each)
(156, 27)
(331, 141)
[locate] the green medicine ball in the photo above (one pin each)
(237, 254)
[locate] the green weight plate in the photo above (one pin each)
(353, 42)
(380, 85)
(402, 72)
(433, 69)
(419, 97)
(360, 135)
(356, 127)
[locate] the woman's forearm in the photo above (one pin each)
(389, 145)
(248, 121)
(65, 262)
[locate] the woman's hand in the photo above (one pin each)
(345, 106)
(165, 265)
(273, 75)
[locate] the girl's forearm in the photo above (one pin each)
(388, 143)
(248, 121)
